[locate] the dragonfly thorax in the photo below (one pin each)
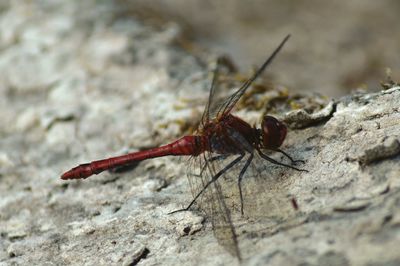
(231, 135)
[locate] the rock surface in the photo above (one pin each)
(77, 86)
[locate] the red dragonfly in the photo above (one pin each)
(220, 136)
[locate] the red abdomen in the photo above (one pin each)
(188, 145)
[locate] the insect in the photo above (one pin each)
(221, 136)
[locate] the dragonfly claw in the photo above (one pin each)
(295, 162)
(179, 210)
(298, 161)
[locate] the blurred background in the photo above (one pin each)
(336, 46)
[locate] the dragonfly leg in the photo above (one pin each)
(290, 157)
(246, 165)
(212, 159)
(213, 179)
(215, 158)
(265, 157)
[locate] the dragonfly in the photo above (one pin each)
(220, 137)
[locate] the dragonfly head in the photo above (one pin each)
(273, 132)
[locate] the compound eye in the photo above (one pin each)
(273, 132)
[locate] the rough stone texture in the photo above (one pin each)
(77, 86)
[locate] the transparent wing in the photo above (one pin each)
(219, 104)
(212, 202)
(266, 191)
(267, 200)
(267, 197)
(227, 106)
(267, 204)
(216, 96)
(221, 220)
